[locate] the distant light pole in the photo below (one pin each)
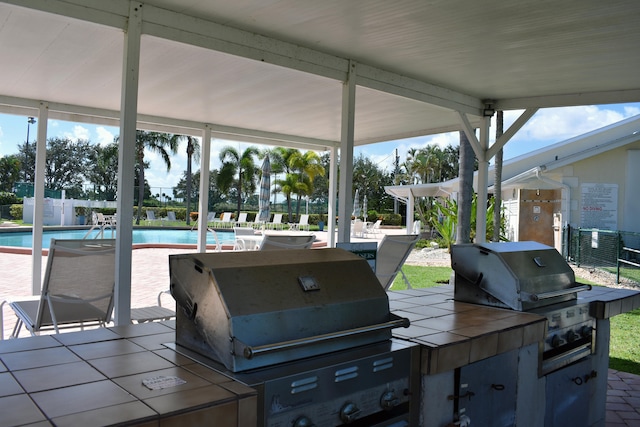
(30, 121)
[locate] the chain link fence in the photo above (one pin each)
(612, 250)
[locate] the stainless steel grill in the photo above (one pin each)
(531, 277)
(310, 329)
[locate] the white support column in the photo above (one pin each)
(411, 203)
(203, 208)
(333, 191)
(345, 207)
(483, 182)
(126, 164)
(38, 199)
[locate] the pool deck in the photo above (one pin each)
(150, 276)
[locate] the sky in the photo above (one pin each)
(547, 126)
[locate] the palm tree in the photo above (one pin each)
(240, 165)
(288, 186)
(193, 151)
(159, 143)
(307, 166)
(467, 160)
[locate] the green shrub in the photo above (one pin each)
(8, 198)
(16, 211)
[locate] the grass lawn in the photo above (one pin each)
(624, 352)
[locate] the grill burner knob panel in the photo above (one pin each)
(349, 412)
(585, 331)
(572, 336)
(388, 400)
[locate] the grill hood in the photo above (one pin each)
(253, 309)
(517, 275)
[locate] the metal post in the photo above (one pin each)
(30, 121)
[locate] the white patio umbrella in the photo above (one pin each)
(265, 191)
(356, 204)
(364, 207)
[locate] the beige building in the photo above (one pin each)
(590, 181)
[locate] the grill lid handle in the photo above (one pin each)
(250, 352)
(558, 293)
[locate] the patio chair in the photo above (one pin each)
(357, 228)
(373, 229)
(303, 223)
(171, 216)
(225, 220)
(242, 219)
(392, 253)
(275, 242)
(276, 222)
(151, 217)
(153, 313)
(77, 291)
(216, 239)
(246, 239)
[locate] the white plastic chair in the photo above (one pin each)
(302, 224)
(276, 222)
(374, 228)
(357, 228)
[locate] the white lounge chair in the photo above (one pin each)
(242, 219)
(77, 290)
(302, 224)
(275, 242)
(225, 220)
(151, 217)
(392, 253)
(171, 216)
(276, 222)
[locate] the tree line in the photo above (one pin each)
(86, 170)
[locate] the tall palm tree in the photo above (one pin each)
(307, 166)
(467, 160)
(238, 170)
(159, 143)
(193, 152)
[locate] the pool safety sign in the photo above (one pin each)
(599, 206)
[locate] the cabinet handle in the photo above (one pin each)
(497, 387)
(467, 395)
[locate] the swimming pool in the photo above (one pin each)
(23, 239)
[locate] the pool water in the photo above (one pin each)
(24, 239)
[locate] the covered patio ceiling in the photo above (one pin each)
(316, 75)
(272, 72)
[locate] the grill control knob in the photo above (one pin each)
(556, 341)
(585, 331)
(572, 336)
(349, 412)
(303, 422)
(388, 400)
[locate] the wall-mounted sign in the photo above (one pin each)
(599, 206)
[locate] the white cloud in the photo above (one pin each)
(104, 136)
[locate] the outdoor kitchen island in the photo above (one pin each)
(488, 366)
